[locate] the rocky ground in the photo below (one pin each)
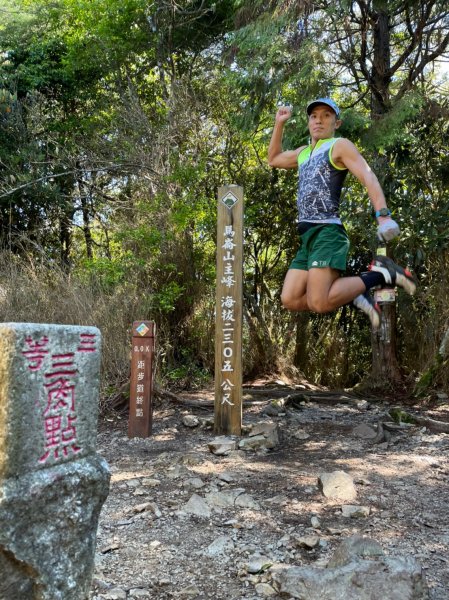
(183, 522)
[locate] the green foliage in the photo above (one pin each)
(105, 272)
(392, 129)
(187, 374)
(119, 119)
(355, 124)
(399, 416)
(165, 300)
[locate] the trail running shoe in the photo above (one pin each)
(393, 273)
(365, 303)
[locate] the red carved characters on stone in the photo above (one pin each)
(35, 352)
(59, 372)
(87, 342)
(59, 414)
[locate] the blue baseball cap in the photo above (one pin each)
(328, 101)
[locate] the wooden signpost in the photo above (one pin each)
(141, 389)
(384, 363)
(229, 301)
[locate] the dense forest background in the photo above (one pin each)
(119, 119)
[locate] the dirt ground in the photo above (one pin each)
(150, 546)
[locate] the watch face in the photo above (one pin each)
(384, 212)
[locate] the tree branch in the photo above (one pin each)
(57, 175)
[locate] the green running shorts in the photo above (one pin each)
(324, 245)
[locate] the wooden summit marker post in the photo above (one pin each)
(384, 363)
(141, 388)
(228, 324)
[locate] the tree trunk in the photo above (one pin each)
(65, 240)
(300, 357)
(385, 368)
(380, 73)
(86, 219)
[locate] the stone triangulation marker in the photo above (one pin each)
(52, 482)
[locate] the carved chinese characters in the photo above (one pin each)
(50, 413)
(58, 402)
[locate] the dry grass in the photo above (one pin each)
(31, 292)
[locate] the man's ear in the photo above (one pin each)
(338, 122)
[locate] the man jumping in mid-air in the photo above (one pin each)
(313, 281)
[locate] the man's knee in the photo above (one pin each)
(319, 289)
(293, 296)
(318, 305)
(290, 302)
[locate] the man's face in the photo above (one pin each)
(323, 122)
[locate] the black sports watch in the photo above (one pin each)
(383, 212)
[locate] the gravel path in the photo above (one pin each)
(261, 505)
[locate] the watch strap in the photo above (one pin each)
(383, 212)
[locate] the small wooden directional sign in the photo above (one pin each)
(141, 388)
(229, 303)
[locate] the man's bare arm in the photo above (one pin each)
(276, 156)
(345, 154)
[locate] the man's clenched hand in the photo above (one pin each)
(387, 230)
(283, 114)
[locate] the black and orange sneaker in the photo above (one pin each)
(365, 303)
(393, 273)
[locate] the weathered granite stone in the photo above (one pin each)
(224, 499)
(197, 506)
(261, 436)
(222, 545)
(364, 431)
(264, 589)
(357, 571)
(267, 429)
(399, 578)
(190, 421)
(306, 541)
(256, 442)
(259, 563)
(353, 547)
(222, 445)
(338, 485)
(352, 511)
(52, 484)
(48, 524)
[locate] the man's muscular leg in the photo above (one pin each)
(320, 290)
(326, 290)
(294, 291)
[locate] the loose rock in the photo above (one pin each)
(197, 506)
(338, 485)
(264, 589)
(392, 578)
(309, 541)
(355, 547)
(259, 564)
(364, 431)
(222, 545)
(190, 421)
(350, 510)
(222, 445)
